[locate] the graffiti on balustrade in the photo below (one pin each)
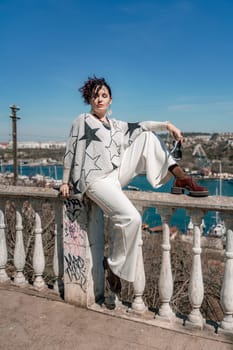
(76, 269)
(74, 237)
(75, 210)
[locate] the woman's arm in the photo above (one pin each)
(162, 126)
(174, 131)
(68, 159)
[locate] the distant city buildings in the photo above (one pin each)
(34, 145)
(4, 145)
(190, 138)
(215, 137)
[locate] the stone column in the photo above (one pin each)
(83, 240)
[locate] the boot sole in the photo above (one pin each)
(181, 190)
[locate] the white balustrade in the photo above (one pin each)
(165, 278)
(196, 288)
(19, 253)
(3, 250)
(38, 256)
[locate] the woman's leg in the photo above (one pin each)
(108, 195)
(148, 155)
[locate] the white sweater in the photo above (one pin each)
(93, 149)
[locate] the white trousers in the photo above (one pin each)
(146, 155)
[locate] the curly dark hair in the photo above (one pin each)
(92, 86)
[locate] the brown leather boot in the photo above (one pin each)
(187, 183)
(114, 282)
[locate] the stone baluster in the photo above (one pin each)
(140, 280)
(165, 278)
(196, 287)
(19, 252)
(227, 285)
(139, 283)
(38, 256)
(3, 250)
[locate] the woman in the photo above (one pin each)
(103, 155)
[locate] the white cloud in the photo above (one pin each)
(181, 107)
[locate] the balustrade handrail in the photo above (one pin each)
(140, 198)
(158, 199)
(27, 192)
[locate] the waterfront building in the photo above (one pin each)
(38, 145)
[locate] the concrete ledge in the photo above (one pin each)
(140, 198)
(157, 199)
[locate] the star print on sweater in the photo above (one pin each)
(89, 135)
(131, 128)
(102, 150)
(90, 165)
(114, 148)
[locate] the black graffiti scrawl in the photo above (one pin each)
(74, 209)
(76, 269)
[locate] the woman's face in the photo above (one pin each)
(100, 100)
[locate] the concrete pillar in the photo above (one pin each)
(83, 239)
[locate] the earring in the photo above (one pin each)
(109, 112)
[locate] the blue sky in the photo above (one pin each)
(164, 59)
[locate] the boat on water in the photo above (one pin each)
(133, 188)
(218, 230)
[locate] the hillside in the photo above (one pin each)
(215, 148)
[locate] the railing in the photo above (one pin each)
(79, 249)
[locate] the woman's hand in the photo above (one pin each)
(65, 190)
(174, 131)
